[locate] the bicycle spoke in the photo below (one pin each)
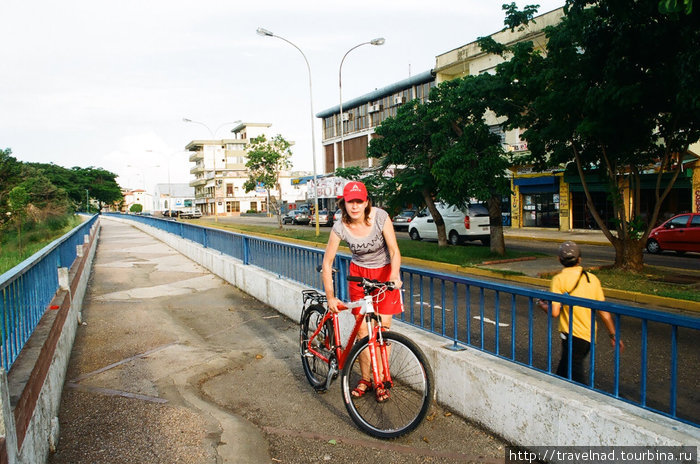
(409, 397)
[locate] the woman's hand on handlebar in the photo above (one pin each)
(397, 283)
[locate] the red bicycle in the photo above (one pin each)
(397, 363)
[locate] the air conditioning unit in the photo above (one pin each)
(374, 108)
(399, 99)
(347, 116)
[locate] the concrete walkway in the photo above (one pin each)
(173, 365)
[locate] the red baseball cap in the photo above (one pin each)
(355, 191)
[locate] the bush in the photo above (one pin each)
(58, 222)
(136, 208)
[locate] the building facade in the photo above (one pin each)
(361, 116)
(175, 197)
(220, 174)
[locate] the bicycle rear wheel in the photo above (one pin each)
(410, 395)
(315, 368)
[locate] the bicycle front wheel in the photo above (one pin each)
(410, 395)
(315, 368)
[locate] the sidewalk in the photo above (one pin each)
(589, 237)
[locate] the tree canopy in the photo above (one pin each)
(52, 190)
(443, 150)
(266, 161)
(615, 94)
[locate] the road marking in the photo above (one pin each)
(428, 305)
(486, 319)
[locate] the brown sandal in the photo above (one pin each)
(359, 392)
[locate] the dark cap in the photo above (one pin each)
(569, 251)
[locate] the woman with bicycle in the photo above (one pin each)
(375, 255)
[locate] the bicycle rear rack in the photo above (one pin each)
(313, 297)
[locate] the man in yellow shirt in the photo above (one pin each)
(574, 281)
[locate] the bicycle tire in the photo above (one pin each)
(315, 368)
(410, 395)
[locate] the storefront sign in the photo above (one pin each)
(327, 187)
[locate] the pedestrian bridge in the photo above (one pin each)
(491, 349)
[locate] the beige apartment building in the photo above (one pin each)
(219, 174)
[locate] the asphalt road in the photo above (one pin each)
(599, 253)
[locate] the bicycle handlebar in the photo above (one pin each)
(371, 283)
(367, 283)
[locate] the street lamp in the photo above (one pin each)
(213, 136)
(378, 41)
(265, 33)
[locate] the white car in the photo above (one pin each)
(469, 223)
(191, 213)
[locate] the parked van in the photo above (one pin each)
(469, 223)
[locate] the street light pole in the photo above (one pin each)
(213, 137)
(378, 41)
(264, 32)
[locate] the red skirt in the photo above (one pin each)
(388, 302)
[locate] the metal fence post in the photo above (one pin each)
(246, 251)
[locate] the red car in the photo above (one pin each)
(681, 233)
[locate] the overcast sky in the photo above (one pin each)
(107, 83)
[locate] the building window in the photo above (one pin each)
(254, 206)
(229, 189)
(233, 206)
(541, 210)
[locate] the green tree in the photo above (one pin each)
(404, 146)
(266, 161)
(10, 176)
(100, 183)
(136, 208)
(443, 150)
(102, 186)
(472, 163)
(18, 199)
(614, 95)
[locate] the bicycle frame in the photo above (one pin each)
(374, 331)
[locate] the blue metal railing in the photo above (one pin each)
(27, 289)
(505, 321)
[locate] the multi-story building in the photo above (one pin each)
(362, 115)
(175, 196)
(219, 174)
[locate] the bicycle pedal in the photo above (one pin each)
(308, 355)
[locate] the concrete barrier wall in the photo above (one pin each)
(31, 427)
(525, 407)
